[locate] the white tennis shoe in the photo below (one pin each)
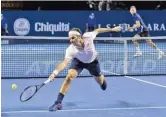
(138, 53)
(160, 54)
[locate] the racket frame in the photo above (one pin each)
(37, 87)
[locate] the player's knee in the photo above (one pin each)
(99, 76)
(149, 41)
(71, 74)
(68, 78)
(136, 36)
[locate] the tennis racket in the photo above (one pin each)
(30, 91)
(124, 28)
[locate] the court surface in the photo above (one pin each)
(137, 96)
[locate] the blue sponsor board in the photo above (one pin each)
(58, 23)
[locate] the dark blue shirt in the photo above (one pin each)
(3, 23)
(91, 22)
(137, 17)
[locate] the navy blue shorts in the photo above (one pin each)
(144, 33)
(93, 67)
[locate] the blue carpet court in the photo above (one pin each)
(124, 97)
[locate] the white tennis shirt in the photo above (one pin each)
(88, 53)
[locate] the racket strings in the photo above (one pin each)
(28, 93)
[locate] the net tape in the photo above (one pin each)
(97, 38)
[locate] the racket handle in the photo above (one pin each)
(47, 81)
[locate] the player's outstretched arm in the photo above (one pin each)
(103, 30)
(136, 25)
(59, 68)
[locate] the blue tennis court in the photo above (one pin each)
(124, 97)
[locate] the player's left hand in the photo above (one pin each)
(52, 77)
(130, 29)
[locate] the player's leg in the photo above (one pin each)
(149, 41)
(152, 44)
(138, 51)
(101, 81)
(73, 72)
(94, 70)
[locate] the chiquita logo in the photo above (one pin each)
(21, 26)
(48, 27)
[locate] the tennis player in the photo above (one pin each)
(82, 54)
(142, 32)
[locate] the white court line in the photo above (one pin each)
(155, 84)
(72, 110)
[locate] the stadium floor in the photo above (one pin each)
(138, 96)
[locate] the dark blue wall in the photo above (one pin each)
(155, 20)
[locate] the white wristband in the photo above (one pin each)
(55, 72)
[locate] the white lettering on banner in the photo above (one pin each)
(156, 27)
(99, 25)
(36, 67)
(149, 64)
(134, 66)
(151, 27)
(119, 67)
(36, 27)
(107, 65)
(109, 25)
(33, 68)
(162, 27)
(47, 27)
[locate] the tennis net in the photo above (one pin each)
(32, 56)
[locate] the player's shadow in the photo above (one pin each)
(96, 105)
(73, 105)
(125, 104)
